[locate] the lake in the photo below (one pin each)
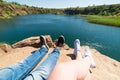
(105, 39)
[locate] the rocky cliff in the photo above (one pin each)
(107, 68)
(8, 10)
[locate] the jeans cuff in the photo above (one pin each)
(56, 50)
(43, 48)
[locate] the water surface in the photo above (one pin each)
(105, 39)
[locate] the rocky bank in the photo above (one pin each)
(107, 68)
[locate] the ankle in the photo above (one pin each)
(89, 60)
(88, 54)
(76, 46)
(78, 55)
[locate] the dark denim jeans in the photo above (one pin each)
(22, 69)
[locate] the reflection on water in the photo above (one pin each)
(97, 45)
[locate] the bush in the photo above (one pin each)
(1, 0)
(118, 15)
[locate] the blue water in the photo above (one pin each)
(105, 39)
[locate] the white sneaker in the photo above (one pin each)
(76, 46)
(87, 52)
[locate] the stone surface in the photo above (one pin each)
(5, 47)
(2, 52)
(34, 42)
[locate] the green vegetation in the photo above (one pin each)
(1, 0)
(1, 43)
(103, 10)
(8, 10)
(104, 14)
(107, 20)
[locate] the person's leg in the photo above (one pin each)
(87, 62)
(88, 76)
(83, 70)
(20, 70)
(43, 71)
(77, 52)
(73, 70)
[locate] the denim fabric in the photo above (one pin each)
(43, 71)
(20, 70)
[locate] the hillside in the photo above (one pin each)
(107, 68)
(8, 10)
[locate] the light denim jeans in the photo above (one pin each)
(22, 69)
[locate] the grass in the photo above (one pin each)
(1, 43)
(106, 20)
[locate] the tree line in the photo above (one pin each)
(105, 10)
(14, 9)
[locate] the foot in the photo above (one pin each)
(61, 41)
(87, 52)
(43, 42)
(76, 46)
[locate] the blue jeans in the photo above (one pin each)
(22, 69)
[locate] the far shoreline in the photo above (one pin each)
(103, 20)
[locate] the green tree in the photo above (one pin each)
(15, 3)
(1, 0)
